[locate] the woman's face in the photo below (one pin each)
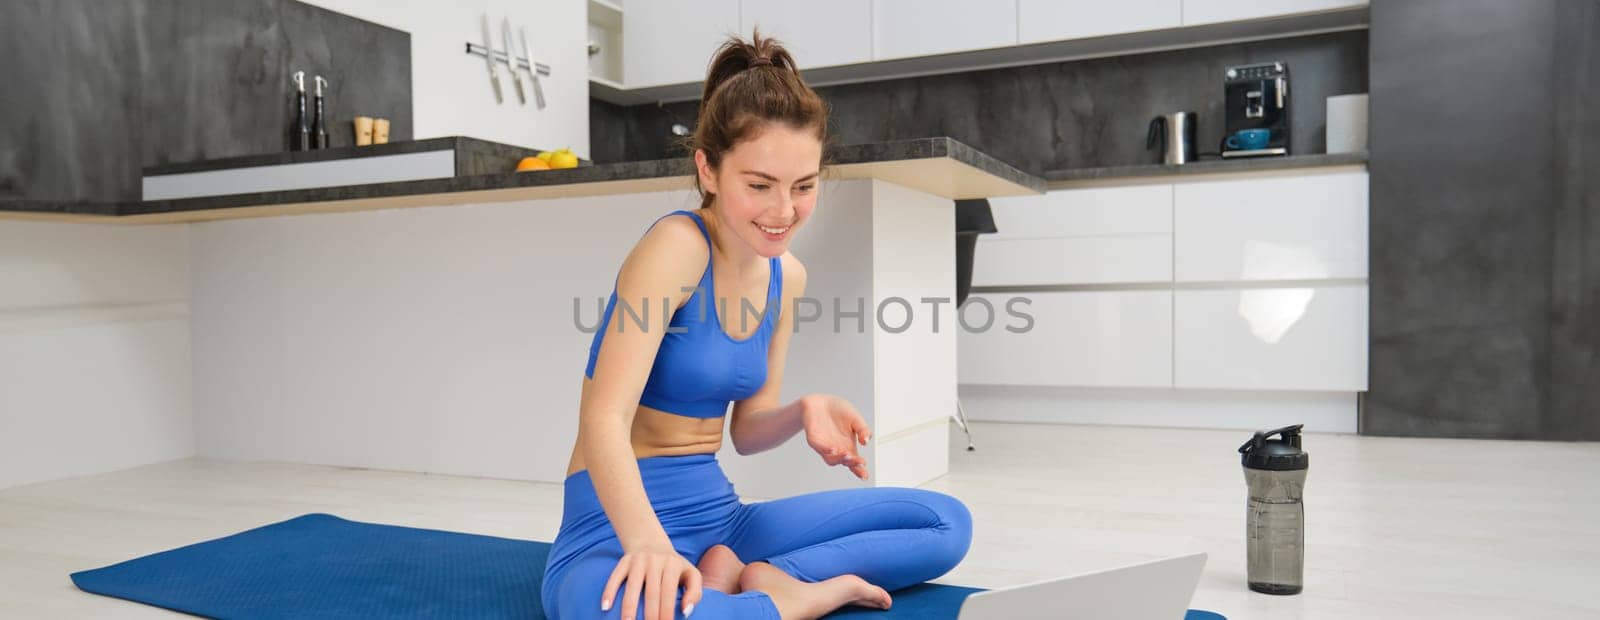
(766, 186)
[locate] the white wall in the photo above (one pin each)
(424, 339)
(94, 349)
(450, 89)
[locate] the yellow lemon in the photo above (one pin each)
(564, 159)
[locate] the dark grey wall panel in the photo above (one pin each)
(368, 65)
(69, 100)
(1575, 315)
(608, 131)
(1479, 239)
(1061, 115)
(210, 68)
(98, 90)
(220, 76)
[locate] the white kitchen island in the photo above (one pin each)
(434, 325)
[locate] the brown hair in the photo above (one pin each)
(748, 84)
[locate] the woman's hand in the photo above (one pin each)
(658, 569)
(833, 428)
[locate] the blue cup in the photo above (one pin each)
(1249, 139)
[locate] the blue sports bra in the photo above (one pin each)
(699, 368)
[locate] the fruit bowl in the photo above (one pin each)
(558, 159)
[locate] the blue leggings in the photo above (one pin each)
(891, 537)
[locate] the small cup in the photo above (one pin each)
(364, 127)
(1249, 139)
(380, 131)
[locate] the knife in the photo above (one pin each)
(511, 60)
(488, 55)
(533, 68)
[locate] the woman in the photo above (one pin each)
(647, 507)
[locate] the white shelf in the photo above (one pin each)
(605, 30)
(605, 14)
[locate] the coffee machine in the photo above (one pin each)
(1256, 112)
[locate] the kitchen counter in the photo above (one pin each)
(494, 288)
(939, 166)
(1122, 175)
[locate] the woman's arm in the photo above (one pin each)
(832, 425)
(759, 423)
(656, 269)
(655, 273)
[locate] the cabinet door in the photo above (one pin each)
(819, 33)
(1312, 338)
(1307, 227)
(1078, 338)
(671, 41)
(1055, 20)
(1212, 11)
(904, 28)
(1078, 236)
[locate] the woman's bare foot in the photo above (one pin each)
(798, 600)
(720, 568)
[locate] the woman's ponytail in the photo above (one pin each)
(748, 84)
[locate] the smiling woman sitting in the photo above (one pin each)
(650, 523)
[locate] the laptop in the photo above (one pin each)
(1158, 590)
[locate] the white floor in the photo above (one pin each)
(1396, 528)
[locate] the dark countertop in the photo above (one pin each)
(60, 207)
(1069, 176)
(623, 177)
(619, 177)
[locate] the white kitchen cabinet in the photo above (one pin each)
(1310, 338)
(671, 41)
(1078, 236)
(905, 28)
(1084, 260)
(1304, 227)
(1100, 211)
(1213, 11)
(1076, 338)
(819, 33)
(1039, 21)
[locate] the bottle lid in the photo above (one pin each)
(1282, 454)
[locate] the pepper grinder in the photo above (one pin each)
(300, 131)
(319, 127)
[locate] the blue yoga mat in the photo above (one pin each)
(322, 566)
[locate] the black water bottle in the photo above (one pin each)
(1275, 535)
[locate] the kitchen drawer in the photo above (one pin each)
(1078, 236)
(1212, 11)
(1312, 338)
(1084, 213)
(1078, 338)
(1305, 227)
(1082, 260)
